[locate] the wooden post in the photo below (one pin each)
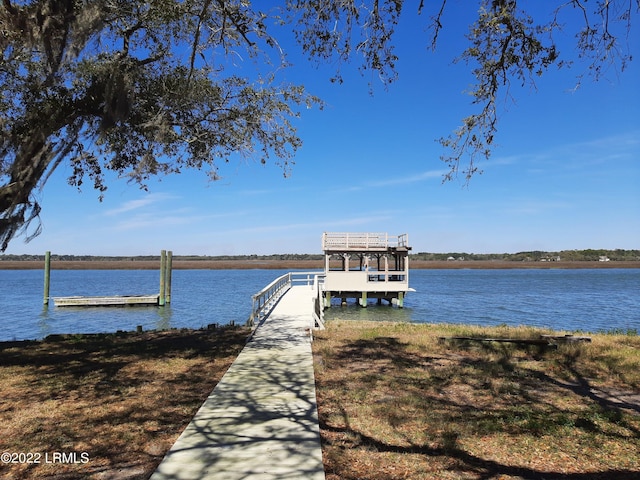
(47, 275)
(163, 274)
(168, 277)
(401, 299)
(363, 300)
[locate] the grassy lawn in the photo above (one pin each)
(395, 402)
(105, 406)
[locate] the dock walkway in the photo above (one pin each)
(261, 420)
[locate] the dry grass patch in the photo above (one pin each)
(116, 403)
(395, 402)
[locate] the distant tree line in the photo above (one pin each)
(531, 256)
(588, 255)
(81, 258)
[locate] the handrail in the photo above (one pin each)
(265, 299)
(318, 307)
(303, 278)
(315, 280)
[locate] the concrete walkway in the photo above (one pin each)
(261, 420)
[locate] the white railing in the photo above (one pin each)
(264, 301)
(303, 278)
(318, 307)
(316, 281)
(342, 240)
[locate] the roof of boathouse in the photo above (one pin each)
(378, 242)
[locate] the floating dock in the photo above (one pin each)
(160, 299)
(113, 301)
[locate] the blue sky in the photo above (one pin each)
(565, 173)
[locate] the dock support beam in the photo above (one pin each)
(47, 276)
(400, 299)
(166, 261)
(363, 300)
(167, 287)
(163, 276)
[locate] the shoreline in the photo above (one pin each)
(301, 265)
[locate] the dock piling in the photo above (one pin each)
(47, 276)
(163, 277)
(363, 300)
(167, 287)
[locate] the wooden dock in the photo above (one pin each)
(160, 299)
(113, 301)
(366, 266)
(261, 420)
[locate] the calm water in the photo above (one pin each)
(588, 300)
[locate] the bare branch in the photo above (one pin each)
(436, 24)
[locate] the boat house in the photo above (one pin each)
(364, 266)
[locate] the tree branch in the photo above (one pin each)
(196, 40)
(436, 24)
(126, 37)
(240, 28)
(10, 8)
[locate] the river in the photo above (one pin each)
(587, 300)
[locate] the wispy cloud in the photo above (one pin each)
(320, 225)
(572, 156)
(140, 203)
(265, 189)
(409, 178)
(583, 156)
(171, 218)
(162, 211)
(599, 151)
(535, 207)
(144, 221)
(625, 140)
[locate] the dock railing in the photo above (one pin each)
(344, 240)
(318, 307)
(264, 301)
